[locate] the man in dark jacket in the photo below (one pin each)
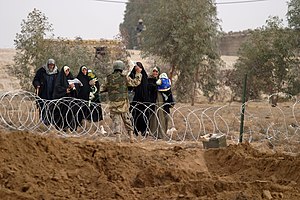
(44, 80)
(43, 83)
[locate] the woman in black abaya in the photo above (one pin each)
(140, 102)
(91, 107)
(66, 106)
(84, 93)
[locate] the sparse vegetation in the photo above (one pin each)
(269, 59)
(35, 44)
(184, 34)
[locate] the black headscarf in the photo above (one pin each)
(141, 91)
(61, 85)
(85, 89)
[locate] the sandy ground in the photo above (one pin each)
(43, 167)
(50, 167)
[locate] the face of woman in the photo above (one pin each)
(84, 71)
(155, 73)
(67, 72)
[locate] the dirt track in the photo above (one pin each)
(37, 167)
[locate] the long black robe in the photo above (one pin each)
(139, 105)
(91, 109)
(85, 89)
(44, 82)
(84, 94)
(66, 107)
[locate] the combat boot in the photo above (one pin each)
(118, 138)
(131, 137)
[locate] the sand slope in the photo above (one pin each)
(40, 167)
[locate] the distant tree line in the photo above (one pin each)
(185, 34)
(270, 58)
(36, 43)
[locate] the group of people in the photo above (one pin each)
(150, 103)
(68, 93)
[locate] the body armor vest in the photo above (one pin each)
(117, 87)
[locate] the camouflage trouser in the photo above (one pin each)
(117, 119)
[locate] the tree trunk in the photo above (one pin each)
(171, 72)
(194, 88)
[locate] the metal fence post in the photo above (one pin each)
(243, 110)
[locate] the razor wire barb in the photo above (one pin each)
(277, 126)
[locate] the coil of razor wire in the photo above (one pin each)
(272, 125)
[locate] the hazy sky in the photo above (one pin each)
(91, 19)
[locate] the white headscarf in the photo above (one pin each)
(66, 68)
(55, 69)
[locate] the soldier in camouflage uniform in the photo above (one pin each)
(116, 85)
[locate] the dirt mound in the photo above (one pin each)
(43, 167)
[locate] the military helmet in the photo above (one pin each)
(118, 65)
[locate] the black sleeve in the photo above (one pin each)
(37, 78)
(61, 85)
(152, 87)
(59, 91)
